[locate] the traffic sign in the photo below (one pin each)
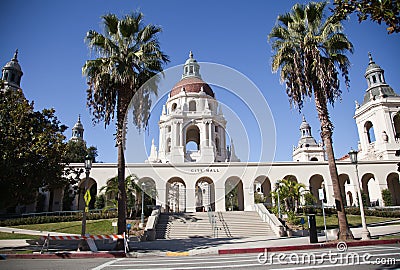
(87, 197)
(321, 194)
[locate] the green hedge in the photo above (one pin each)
(55, 219)
(378, 212)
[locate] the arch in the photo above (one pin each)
(262, 188)
(234, 197)
(174, 106)
(176, 195)
(192, 106)
(92, 186)
(370, 187)
(168, 145)
(315, 183)
(394, 187)
(205, 194)
(193, 135)
(343, 180)
(396, 124)
(217, 146)
(313, 159)
(291, 178)
(369, 130)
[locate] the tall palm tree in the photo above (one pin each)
(128, 55)
(310, 52)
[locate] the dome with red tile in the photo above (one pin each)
(192, 85)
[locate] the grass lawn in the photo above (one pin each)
(7, 236)
(102, 226)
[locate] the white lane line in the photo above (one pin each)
(109, 263)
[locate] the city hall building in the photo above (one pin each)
(183, 180)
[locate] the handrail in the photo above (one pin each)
(213, 221)
(276, 226)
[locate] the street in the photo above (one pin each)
(366, 257)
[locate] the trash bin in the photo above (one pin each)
(312, 227)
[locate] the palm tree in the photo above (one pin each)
(310, 53)
(129, 54)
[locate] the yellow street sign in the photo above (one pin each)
(87, 197)
(86, 209)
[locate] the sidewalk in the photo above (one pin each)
(207, 246)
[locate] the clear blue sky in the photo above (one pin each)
(50, 38)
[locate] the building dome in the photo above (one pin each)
(192, 85)
(372, 66)
(304, 124)
(191, 81)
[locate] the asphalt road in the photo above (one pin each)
(368, 257)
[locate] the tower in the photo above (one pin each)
(12, 72)
(377, 121)
(307, 148)
(192, 126)
(77, 131)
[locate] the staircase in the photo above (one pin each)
(196, 225)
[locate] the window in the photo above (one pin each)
(216, 128)
(374, 78)
(168, 145)
(5, 76)
(173, 107)
(192, 106)
(191, 70)
(168, 128)
(369, 129)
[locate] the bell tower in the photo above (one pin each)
(192, 126)
(378, 123)
(12, 72)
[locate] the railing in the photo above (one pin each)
(271, 219)
(213, 221)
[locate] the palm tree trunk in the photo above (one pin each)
(326, 134)
(121, 111)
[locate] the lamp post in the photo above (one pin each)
(142, 215)
(365, 234)
(277, 186)
(88, 166)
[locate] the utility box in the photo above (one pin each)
(312, 227)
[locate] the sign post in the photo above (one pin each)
(322, 198)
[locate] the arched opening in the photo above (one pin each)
(168, 145)
(134, 200)
(344, 180)
(173, 107)
(262, 190)
(370, 188)
(192, 144)
(291, 178)
(205, 194)
(92, 187)
(313, 159)
(192, 106)
(217, 146)
(315, 184)
(55, 199)
(234, 198)
(369, 130)
(396, 124)
(394, 188)
(176, 195)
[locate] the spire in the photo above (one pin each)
(370, 58)
(191, 54)
(77, 130)
(12, 72)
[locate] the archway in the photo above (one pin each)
(370, 188)
(92, 186)
(396, 124)
(394, 187)
(262, 189)
(315, 183)
(205, 194)
(234, 197)
(344, 180)
(176, 195)
(150, 195)
(369, 130)
(291, 178)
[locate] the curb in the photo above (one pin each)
(67, 255)
(306, 247)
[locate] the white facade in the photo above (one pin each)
(192, 179)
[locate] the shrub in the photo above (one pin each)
(387, 197)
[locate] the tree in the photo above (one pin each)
(310, 52)
(387, 11)
(129, 54)
(77, 151)
(290, 193)
(32, 150)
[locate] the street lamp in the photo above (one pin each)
(142, 215)
(277, 186)
(365, 234)
(88, 166)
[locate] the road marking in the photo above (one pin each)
(109, 263)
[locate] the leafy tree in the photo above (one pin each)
(129, 54)
(77, 151)
(310, 53)
(379, 11)
(32, 151)
(387, 197)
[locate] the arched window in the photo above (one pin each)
(396, 123)
(314, 159)
(192, 106)
(168, 145)
(217, 146)
(369, 129)
(173, 107)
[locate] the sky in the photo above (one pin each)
(50, 38)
